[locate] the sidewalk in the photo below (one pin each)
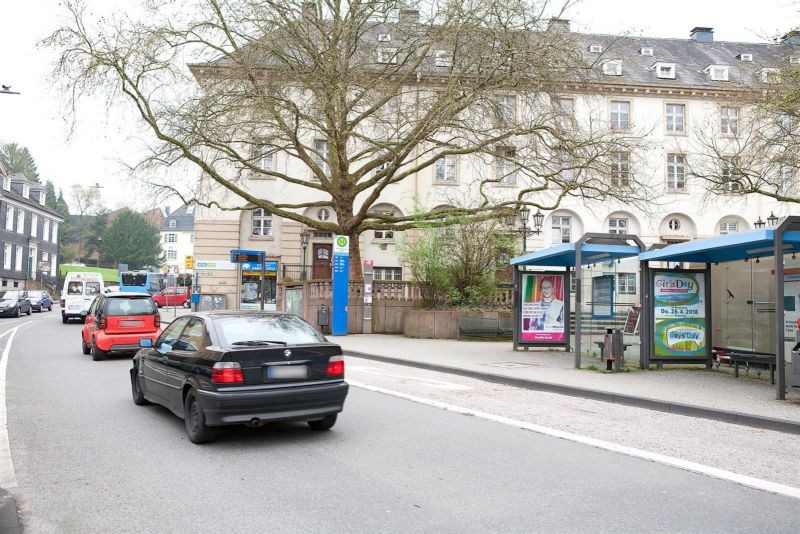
(695, 391)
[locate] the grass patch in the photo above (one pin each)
(109, 275)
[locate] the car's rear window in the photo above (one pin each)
(92, 288)
(287, 328)
(130, 306)
(36, 294)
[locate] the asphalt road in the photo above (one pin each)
(88, 460)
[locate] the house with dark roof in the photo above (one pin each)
(29, 232)
(177, 237)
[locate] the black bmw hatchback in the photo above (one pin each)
(229, 368)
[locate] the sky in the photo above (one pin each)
(96, 148)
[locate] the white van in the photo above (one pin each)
(79, 291)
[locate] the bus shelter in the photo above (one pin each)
(679, 324)
(542, 296)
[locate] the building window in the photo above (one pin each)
(262, 222)
(665, 70)
(393, 274)
(729, 121)
(7, 183)
(173, 223)
(595, 48)
(565, 112)
(728, 227)
(26, 191)
(384, 37)
(676, 172)
(53, 265)
(620, 114)
(55, 232)
(785, 179)
(620, 169)
(18, 259)
(42, 198)
(674, 224)
(731, 179)
(446, 169)
(717, 73)
(171, 238)
(618, 225)
(35, 225)
(323, 214)
(7, 256)
(387, 55)
(264, 156)
(20, 221)
(443, 59)
(507, 108)
(626, 283)
(505, 167)
(646, 51)
(321, 156)
(172, 254)
(9, 218)
(562, 229)
(566, 166)
(46, 230)
(45, 256)
(612, 68)
(676, 118)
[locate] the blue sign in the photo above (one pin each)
(341, 280)
(270, 266)
(245, 256)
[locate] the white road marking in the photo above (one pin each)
(440, 384)
(8, 479)
(743, 480)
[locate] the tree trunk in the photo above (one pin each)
(356, 271)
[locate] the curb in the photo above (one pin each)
(714, 414)
(9, 520)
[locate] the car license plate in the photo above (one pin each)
(75, 308)
(287, 371)
(130, 323)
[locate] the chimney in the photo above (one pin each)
(558, 25)
(409, 16)
(702, 35)
(791, 38)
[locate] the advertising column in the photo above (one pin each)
(341, 280)
(680, 315)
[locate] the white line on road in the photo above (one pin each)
(7, 477)
(440, 384)
(743, 480)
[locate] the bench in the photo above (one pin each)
(756, 361)
(485, 327)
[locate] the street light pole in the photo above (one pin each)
(304, 237)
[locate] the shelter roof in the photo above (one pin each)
(732, 247)
(564, 255)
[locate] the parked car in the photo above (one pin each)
(172, 296)
(230, 368)
(40, 300)
(116, 323)
(14, 303)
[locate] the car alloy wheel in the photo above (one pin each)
(97, 353)
(195, 421)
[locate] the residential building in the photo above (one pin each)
(177, 237)
(29, 233)
(678, 96)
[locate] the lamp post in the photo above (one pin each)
(6, 90)
(304, 237)
(523, 215)
(772, 220)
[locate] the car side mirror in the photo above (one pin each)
(146, 343)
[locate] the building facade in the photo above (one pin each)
(177, 238)
(681, 98)
(29, 233)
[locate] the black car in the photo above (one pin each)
(14, 303)
(40, 300)
(231, 368)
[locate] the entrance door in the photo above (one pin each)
(321, 263)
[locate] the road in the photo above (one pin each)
(86, 459)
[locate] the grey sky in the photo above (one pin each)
(101, 139)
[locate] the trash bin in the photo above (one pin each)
(613, 349)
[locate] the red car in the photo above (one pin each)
(115, 323)
(172, 296)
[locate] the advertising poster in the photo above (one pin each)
(679, 313)
(603, 297)
(543, 312)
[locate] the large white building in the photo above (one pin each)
(177, 238)
(680, 98)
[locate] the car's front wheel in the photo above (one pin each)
(195, 421)
(29, 310)
(136, 389)
(326, 423)
(98, 354)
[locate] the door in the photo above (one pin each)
(91, 322)
(321, 261)
(156, 370)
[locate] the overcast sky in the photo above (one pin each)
(93, 151)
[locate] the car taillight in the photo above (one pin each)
(157, 319)
(227, 373)
(102, 324)
(336, 366)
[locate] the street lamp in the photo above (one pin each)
(772, 220)
(523, 214)
(759, 224)
(304, 237)
(6, 90)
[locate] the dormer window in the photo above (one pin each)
(443, 59)
(6, 183)
(612, 68)
(718, 73)
(770, 75)
(745, 57)
(384, 37)
(42, 196)
(595, 48)
(26, 191)
(172, 223)
(646, 51)
(665, 70)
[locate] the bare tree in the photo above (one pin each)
(358, 95)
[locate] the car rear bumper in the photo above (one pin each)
(122, 342)
(284, 404)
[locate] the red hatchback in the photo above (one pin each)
(172, 296)
(115, 323)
